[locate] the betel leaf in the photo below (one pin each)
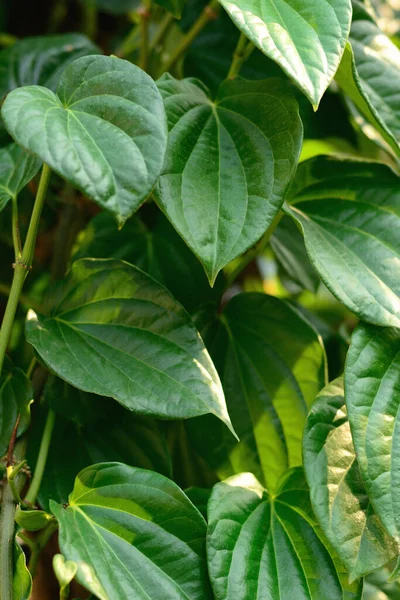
(104, 130)
(372, 392)
(270, 547)
(133, 534)
(337, 491)
(115, 331)
(17, 168)
(16, 395)
(158, 250)
(228, 163)
(306, 39)
(272, 364)
(97, 430)
(22, 580)
(369, 75)
(350, 216)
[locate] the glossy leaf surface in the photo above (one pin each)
(259, 546)
(228, 163)
(350, 217)
(372, 387)
(114, 331)
(16, 395)
(152, 538)
(17, 168)
(337, 491)
(306, 39)
(272, 365)
(104, 131)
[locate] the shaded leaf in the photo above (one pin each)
(337, 491)
(376, 587)
(16, 395)
(228, 163)
(106, 134)
(306, 39)
(269, 546)
(350, 216)
(133, 533)
(17, 168)
(272, 364)
(22, 580)
(175, 7)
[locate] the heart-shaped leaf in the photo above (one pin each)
(369, 74)
(16, 395)
(64, 570)
(158, 250)
(337, 491)
(306, 39)
(17, 168)
(104, 131)
(116, 332)
(372, 391)
(270, 547)
(133, 533)
(350, 221)
(272, 365)
(228, 164)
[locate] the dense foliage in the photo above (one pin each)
(200, 288)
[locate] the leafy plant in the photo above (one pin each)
(200, 345)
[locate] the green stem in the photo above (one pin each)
(33, 491)
(23, 265)
(144, 35)
(161, 31)
(5, 291)
(209, 13)
(40, 543)
(15, 229)
(242, 52)
(254, 252)
(129, 43)
(90, 18)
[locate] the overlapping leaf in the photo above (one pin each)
(16, 395)
(104, 131)
(272, 365)
(350, 216)
(17, 168)
(372, 390)
(337, 491)
(134, 534)
(270, 547)
(115, 331)
(306, 39)
(228, 164)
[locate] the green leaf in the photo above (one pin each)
(158, 250)
(272, 365)
(228, 163)
(65, 571)
(97, 430)
(22, 580)
(104, 131)
(114, 331)
(337, 491)
(270, 547)
(175, 7)
(372, 391)
(369, 75)
(16, 395)
(17, 168)
(306, 39)
(376, 587)
(32, 520)
(350, 216)
(133, 533)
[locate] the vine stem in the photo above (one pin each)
(209, 13)
(242, 52)
(33, 491)
(161, 31)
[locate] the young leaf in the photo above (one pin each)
(16, 395)
(351, 229)
(228, 164)
(104, 131)
(337, 491)
(272, 365)
(114, 331)
(369, 74)
(306, 39)
(372, 391)
(133, 533)
(270, 547)
(158, 250)
(17, 168)
(64, 570)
